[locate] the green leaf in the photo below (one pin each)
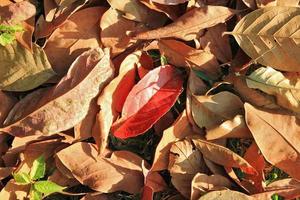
(22, 178)
(6, 38)
(38, 168)
(47, 187)
(35, 195)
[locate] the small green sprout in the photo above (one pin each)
(7, 33)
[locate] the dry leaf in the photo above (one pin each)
(270, 37)
(184, 163)
(170, 2)
(78, 34)
(13, 191)
(226, 195)
(100, 174)
(7, 102)
(114, 30)
(22, 70)
(281, 148)
(210, 111)
(188, 25)
(218, 44)
(203, 183)
(285, 89)
(179, 130)
(63, 106)
(180, 54)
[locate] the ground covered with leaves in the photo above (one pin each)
(149, 99)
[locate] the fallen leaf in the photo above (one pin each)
(148, 101)
(184, 163)
(179, 130)
(226, 195)
(87, 75)
(203, 183)
(113, 31)
(98, 173)
(170, 2)
(222, 155)
(188, 25)
(13, 191)
(281, 130)
(285, 89)
(269, 36)
(218, 44)
(210, 111)
(22, 70)
(7, 102)
(78, 34)
(182, 55)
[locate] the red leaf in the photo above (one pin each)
(148, 101)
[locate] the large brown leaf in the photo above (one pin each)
(63, 106)
(102, 174)
(188, 25)
(78, 34)
(277, 134)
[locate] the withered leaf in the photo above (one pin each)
(63, 106)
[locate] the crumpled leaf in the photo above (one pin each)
(170, 2)
(102, 174)
(68, 101)
(22, 70)
(203, 183)
(148, 101)
(281, 130)
(270, 37)
(285, 89)
(188, 25)
(78, 34)
(184, 163)
(114, 30)
(182, 55)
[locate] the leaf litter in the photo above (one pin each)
(149, 99)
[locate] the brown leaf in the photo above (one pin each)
(113, 31)
(170, 2)
(65, 105)
(112, 99)
(179, 130)
(282, 131)
(101, 174)
(222, 155)
(182, 55)
(203, 183)
(184, 163)
(210, 111)
(218, 44)
(13, 191)
(226, 195)
(7, 102)
(188, 25)
(78, 34)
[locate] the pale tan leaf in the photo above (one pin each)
(188, 25)
(182, 55)
(22, 70)
(292, 3)
(203, 183)
(65, 105)
(78, 34)
(278, 129)
(270, 36)
(285, 89)
(13, 191)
